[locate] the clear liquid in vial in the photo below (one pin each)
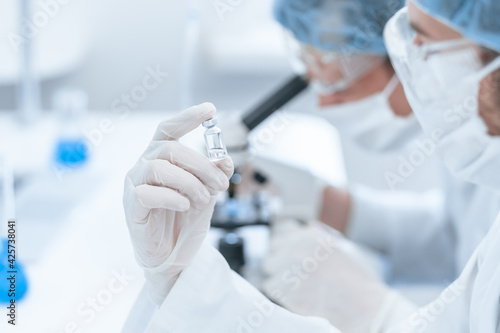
(217, 154)
(214, 141)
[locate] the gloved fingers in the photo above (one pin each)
(288, 258)
(301, 237)
(273, 288)
(286, 226)
(307, 245)
(184, 122)
(283, 289)
(325, 229)
(367, 260)
(308, 235)
(276, 264)
(285, 233)
(286, 242)
(285, 257)
(163, 173)
(227, 166)
(149, 197)
(195, 163)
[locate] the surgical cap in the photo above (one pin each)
(338, 25)
(477, 20)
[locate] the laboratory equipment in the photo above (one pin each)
(213, 138)
(71, 149)
(291, 89)
(235, 210)
(10, 267)
(29, 92)
(190, 52)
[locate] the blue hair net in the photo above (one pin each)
(338, 25)
(477, 20)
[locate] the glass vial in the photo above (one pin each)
(213, 140)
(71, 105)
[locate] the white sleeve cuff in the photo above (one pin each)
(394, 309)
(370, 221)
(209, 297)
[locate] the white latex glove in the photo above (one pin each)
(169, 199)
(313, 270)
(286, 178)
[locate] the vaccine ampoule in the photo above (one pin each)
(213, 139)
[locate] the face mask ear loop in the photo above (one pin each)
(450, 45)
(487, 70)
(391, 87)
(480, 75)
(490, 68)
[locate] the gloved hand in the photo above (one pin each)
(169, 199)
(285, 178)
(313, 270)
(316, 200)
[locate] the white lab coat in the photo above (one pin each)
(427, 236)
(472, 303)
(209, 297)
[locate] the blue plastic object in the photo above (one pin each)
(21, 282)
(71, 153)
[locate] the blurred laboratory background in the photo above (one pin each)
(230, 54)
(83, 86)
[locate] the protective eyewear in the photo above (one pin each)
(433, 70)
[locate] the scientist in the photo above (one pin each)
(340, 43)
(422, 237)
(169, 194)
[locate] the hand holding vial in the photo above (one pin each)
(169, 199)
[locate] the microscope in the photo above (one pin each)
(245, 205)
